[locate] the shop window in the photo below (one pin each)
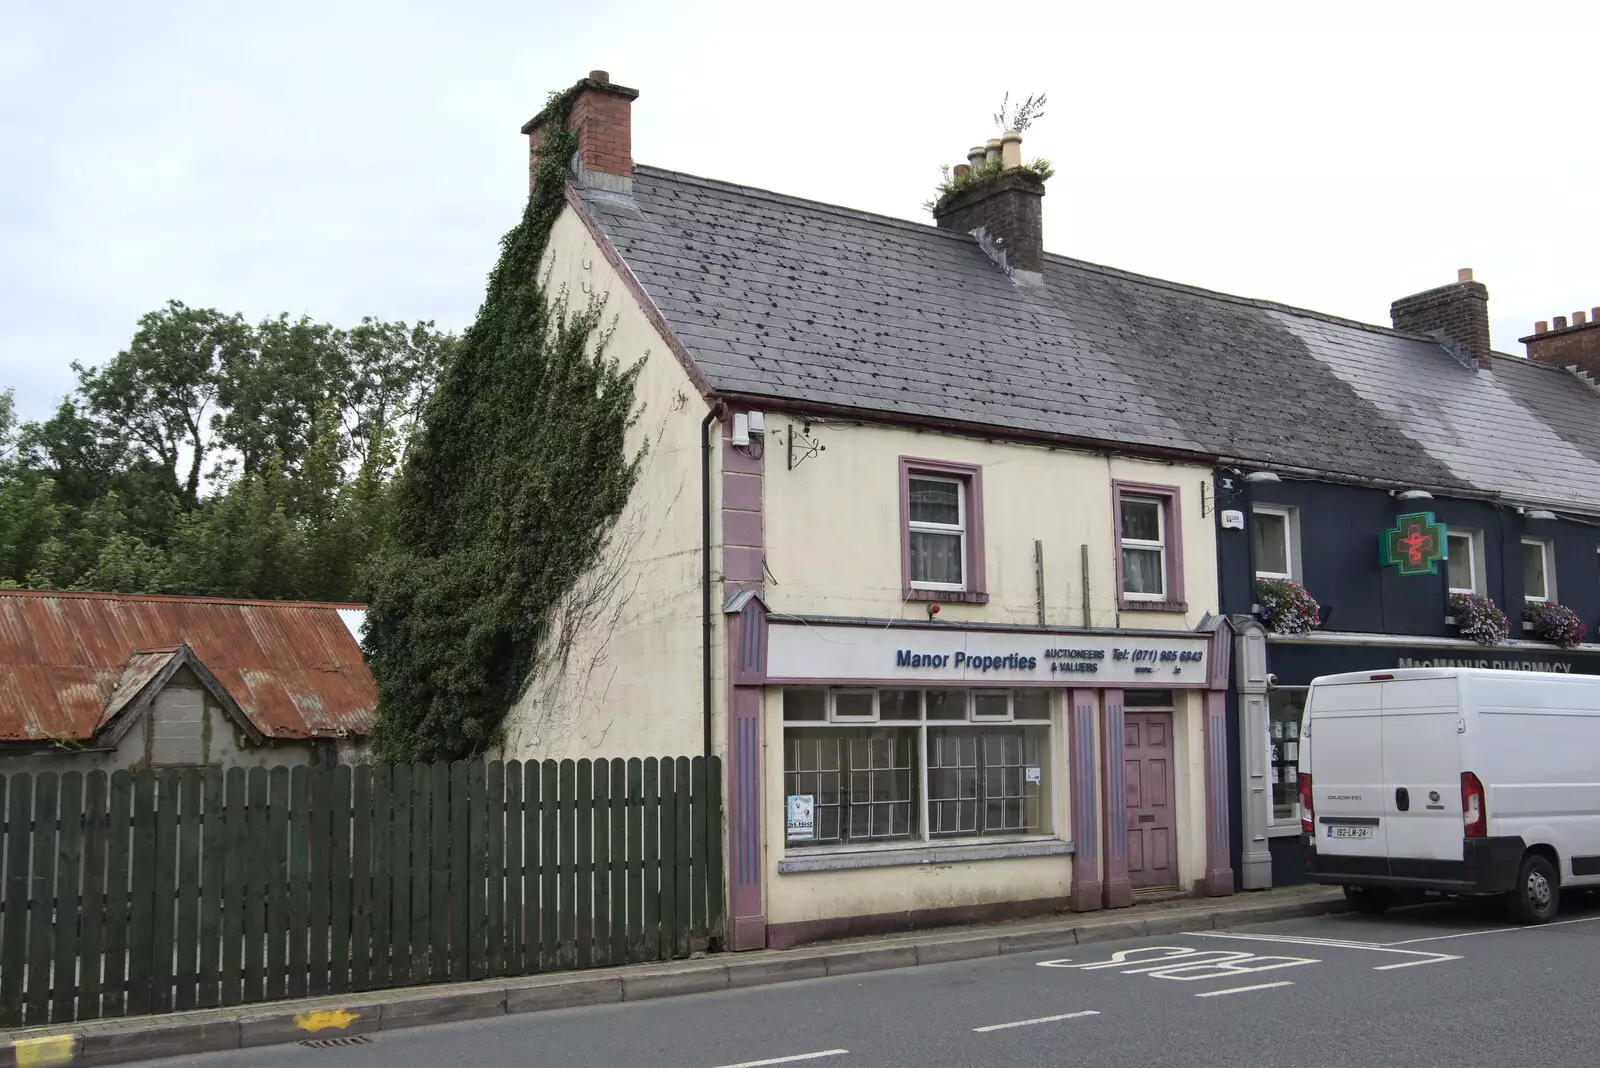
(1272, 540)
(1464, 565)
(1149, 557)
(941, 542)
(1538, 574)
(979, 758)
(1286, 706)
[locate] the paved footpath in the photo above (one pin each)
(1444, 984)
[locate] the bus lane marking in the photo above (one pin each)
(1420, 956)
(1183, 963)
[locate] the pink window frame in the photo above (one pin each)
(1171, 499)
(975, 571)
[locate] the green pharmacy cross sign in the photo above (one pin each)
(1415, 545)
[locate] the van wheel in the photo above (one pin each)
(1536, 897)
(1371, 900)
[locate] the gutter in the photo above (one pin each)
(715, 414)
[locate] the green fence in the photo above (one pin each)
(190, 888)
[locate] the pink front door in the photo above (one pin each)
(1148, 762)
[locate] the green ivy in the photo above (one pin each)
(507, 497)
(952, 184)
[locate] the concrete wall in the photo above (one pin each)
(183, 726)
(620, 674)
(833, 529)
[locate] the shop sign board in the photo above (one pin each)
(811, 652)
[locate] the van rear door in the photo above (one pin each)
(1346, 721)
(1422, 771)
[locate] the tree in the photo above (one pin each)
(508, 495)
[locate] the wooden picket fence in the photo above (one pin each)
(190, 888)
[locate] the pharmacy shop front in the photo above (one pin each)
(917, 774)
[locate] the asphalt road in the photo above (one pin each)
(1450, 984)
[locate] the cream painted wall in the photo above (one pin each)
(620, 672)
(803, 896)
(833, 529)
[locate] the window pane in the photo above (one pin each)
(1031, 704)
(935, 501)
(899, 704)
(1533, 586)
(1271, 533)
(936, 557)
(991, 704)
(862, 782)
(947, 704)
(1141, 519)
(987, 781)
(1460, 563)
(854, 703)
(1285, 708)
(1142, 572)
(1147, 698)
(805, 704)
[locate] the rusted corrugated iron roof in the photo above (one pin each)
(293, 667)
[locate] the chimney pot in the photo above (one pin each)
(1011, 150)
(1594, 315)
(1561, 322)
(962, 170)
(975, 157)
(1579, 318)
(991, 150)
(1542, 326)
(601, 76)
(1464, 274)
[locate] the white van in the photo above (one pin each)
(1459, 780)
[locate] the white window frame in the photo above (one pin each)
(1549, 572)
(1159, 546)
(959, 529)
(1474, 558)
(834, 716)
(1290, 556)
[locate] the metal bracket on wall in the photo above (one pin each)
(1208, 499)
(805, 448)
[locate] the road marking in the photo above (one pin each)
(1302, 940)
(1243, 989)
(1017, 1023)
(1439, 958)
(1497, 930)
(1370, 947)
(788, 1060)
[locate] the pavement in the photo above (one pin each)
(712, 995)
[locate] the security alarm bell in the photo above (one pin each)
(1232, 520)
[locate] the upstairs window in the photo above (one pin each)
(1149, 552)
(941, 536)
(1272, 541)
(1538, 571)
(1466, 575)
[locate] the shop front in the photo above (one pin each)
(1273, 702)
(916, 774)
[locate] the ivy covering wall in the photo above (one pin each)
(512, 486)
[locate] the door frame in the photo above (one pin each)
(1169, 715)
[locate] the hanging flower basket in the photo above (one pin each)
(1480, 618)
(1285, 607)
(1556, 623)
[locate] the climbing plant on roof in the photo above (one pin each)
(507, 496)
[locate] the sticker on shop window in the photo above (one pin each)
(801, 817)
(1033, 774)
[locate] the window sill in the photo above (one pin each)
(1152, 606)
(926, 853)
(947, 596)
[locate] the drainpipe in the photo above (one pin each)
(705, 568)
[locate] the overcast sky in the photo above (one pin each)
(353, 158)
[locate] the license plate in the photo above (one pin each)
(1349, 832)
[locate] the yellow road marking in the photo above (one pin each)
(323, 1020)
(47, 1050)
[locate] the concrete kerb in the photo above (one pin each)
(206, 1030)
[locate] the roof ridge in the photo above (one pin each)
(924, 228)
(106, 595)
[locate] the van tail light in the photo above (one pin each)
(1474, 814)
(1306, 824)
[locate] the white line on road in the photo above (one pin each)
(1303, 940)
(788, 1060)
(1027, 1023)
(1243, 989)
(1438, 958)
(1370, 947)
(1496, 930)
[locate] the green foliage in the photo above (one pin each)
(952, 184)
(507, 497)
(1022, 116)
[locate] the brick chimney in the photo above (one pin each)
(1001, 208)
(1457, 315)
(1574, 344)
(601, 117)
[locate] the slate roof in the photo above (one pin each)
(807, 303)
(70, 661)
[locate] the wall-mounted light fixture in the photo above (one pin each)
(1411, 495)
(1540, 513)
(1262, 476)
